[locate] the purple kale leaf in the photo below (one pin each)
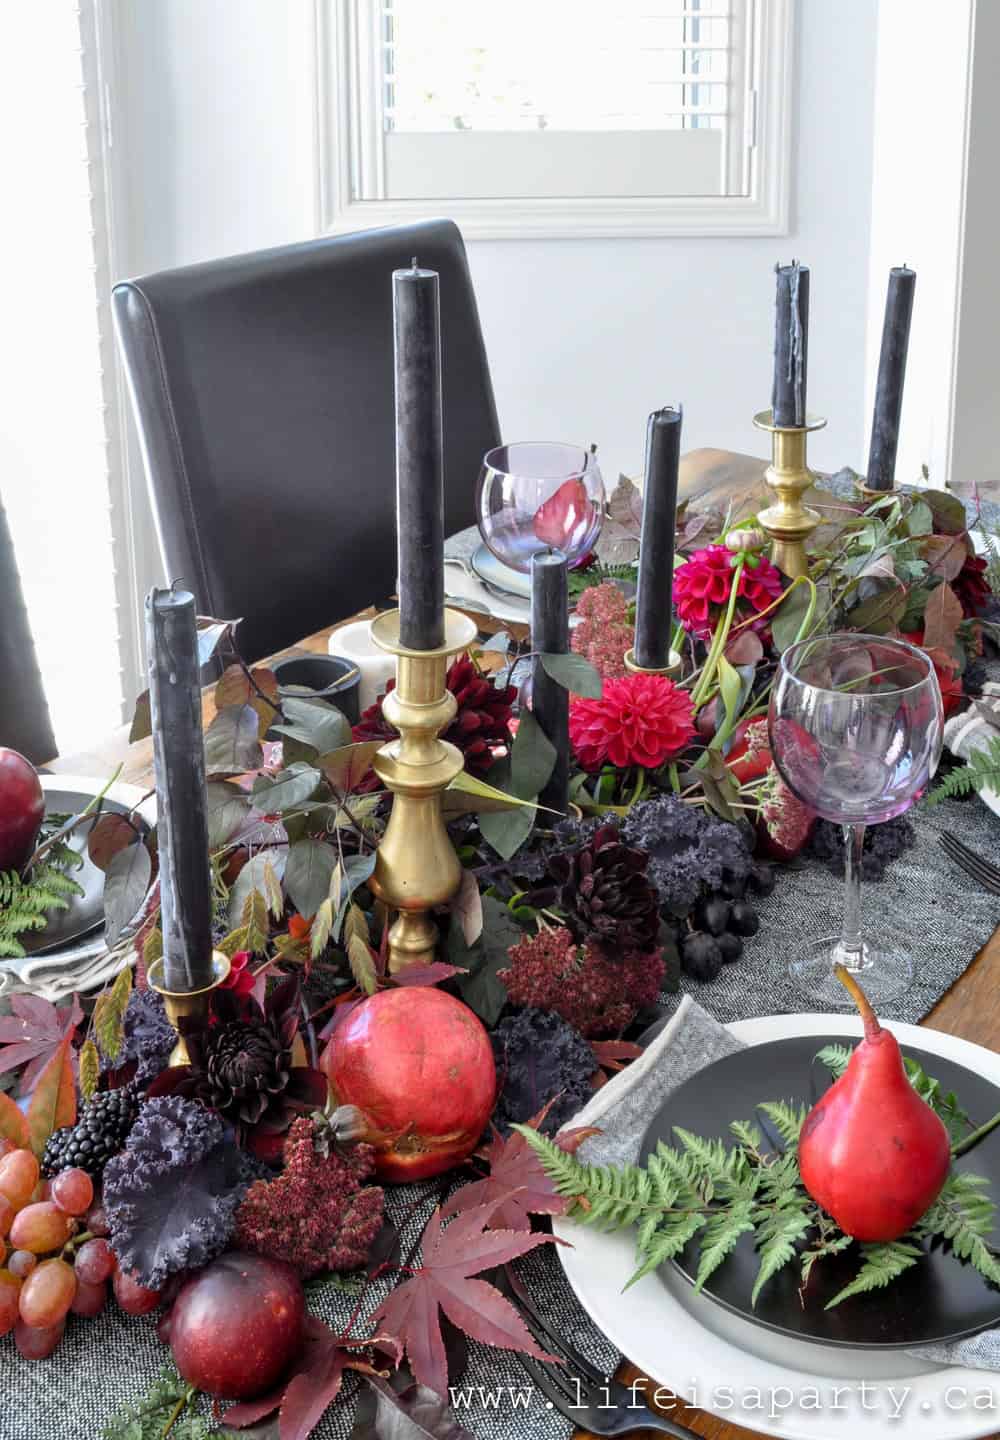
(172, 1193)
(539, 1055)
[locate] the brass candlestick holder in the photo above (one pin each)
(671, 669)
(788, 522)
(416, 867)
(182, 1004)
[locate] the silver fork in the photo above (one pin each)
(576, 1388)
(982, 871)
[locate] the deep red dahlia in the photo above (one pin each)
(702, 586)
(480, 727)
(971, 586)
(639, 720)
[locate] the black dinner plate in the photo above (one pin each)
(941, 1298)
(85, 913)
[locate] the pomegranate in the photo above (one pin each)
(418, 1065)
(236, 1326)
(22, 809)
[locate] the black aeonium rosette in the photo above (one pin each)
(241, 1066)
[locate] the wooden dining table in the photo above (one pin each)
(970, 1009)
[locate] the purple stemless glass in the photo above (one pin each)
(539, 495)
(855, 724)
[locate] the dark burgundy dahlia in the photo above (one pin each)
(606, 894)
(241, 1066)
(479, 729)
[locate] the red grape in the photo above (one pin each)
(21, 1263)
(134, 1298)
(18, 1177)
(37, 1342)
(47, 1293)
(94, 1262)
(90, 1299)
(6, 1146)
(73, 1191)
(96, 1221)
(40, 1227)
(7, 1213)
(10, 1290)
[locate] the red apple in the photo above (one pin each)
(22, 809)
(419, 1066)
(237, 1325)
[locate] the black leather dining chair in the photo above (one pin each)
(24, 715)
(262, 386)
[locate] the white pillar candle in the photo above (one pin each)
(354, 642)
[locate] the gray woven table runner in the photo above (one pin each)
(925, 904)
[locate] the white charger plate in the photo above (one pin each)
(732, 1368)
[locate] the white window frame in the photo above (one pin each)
(349, 143)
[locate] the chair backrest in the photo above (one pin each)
(24, 715)
(263, 392)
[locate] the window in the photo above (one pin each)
(57, 432)
(557, 117)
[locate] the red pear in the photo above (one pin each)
(871, 1152)
(22, 809)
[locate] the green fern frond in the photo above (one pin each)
(719, 1238)
(882, 1264)
(836, 1058)
(778, 1239)
(963, 1216)
(991, 542)
(787, 1119)
(27, 901)
(982, 771)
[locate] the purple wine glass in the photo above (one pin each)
(539, 495)
(856, 724)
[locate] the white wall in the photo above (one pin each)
(584, 337)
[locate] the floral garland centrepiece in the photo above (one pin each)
(300, 1099)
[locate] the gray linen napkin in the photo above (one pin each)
(681, 1046)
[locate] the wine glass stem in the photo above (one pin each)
(851, 944)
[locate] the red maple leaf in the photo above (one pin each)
(452, 1255)
(305, 1395)
(32, 1034)
(517, 1185)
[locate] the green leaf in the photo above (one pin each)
(315, 723)
(573, 673)
(356, 869)
(307, 874)
(13, 1124)
(731, 686)
(287, 790)
(481, 988)
(880, 613)
(882, 1264)
(210, 633)
(506, 830)
(920, 520)
(787, 620)
(126, 883)
(948, 511)
(227, 808)
(142, 719)
(251, 878)
(232, 746)
(532, 758)
(467, 794)
(347, 767)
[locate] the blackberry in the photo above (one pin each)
(730, 947)
(98, 1134)
(713, 914)
(743, 919)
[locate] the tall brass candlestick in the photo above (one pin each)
(416, 866)
(788, 522)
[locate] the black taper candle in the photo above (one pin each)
(179, 765)
(653, 623)
(791, 344)
(419, 457)
(891, 374)
(550, 636)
